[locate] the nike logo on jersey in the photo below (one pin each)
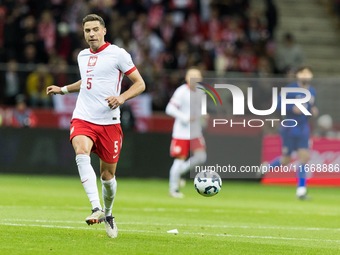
(115, 156)
(89, 71)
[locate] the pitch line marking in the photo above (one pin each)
(185, 233)
(184, 225)
(192, 210)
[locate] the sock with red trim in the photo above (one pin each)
(109, 191)
(88, 179)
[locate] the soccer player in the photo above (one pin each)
(95, 125)
(187, 130)
(297, 138)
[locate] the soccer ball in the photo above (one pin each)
(208, 183)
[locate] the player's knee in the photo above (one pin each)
(106, 175)
(81, 151)
(285, 160)
(304, 159)
(107, 171)
(303, 155)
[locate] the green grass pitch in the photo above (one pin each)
(45, 215)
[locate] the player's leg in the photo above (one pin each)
(287, 149)
(179, 149)
(82, 146)
(275, 162)
(284, 159)
(199, 155)
(174, 177)
(109, 187)
(302, 148)
(182, 164)
(108, 146)
(301, 191)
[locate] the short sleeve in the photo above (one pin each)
(125, 63)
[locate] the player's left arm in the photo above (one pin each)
(136, 88)
(314, 109)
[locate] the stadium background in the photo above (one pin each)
(39, 42)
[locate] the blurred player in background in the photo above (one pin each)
(297, 138)
(22, 115)
(187, 131)
(95, 125)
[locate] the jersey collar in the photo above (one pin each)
(188, 86)
(101, 48)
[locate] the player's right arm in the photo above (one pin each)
(174, 110)
(74, 87)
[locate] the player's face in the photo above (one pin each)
(304, 77)
(193, 74)
(94, 34)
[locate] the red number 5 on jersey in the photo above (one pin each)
(89, 84)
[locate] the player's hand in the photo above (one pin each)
(53, 90)
(296, 110)
(114, 102)
(315, 111)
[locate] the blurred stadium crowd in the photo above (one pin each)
(40, 40)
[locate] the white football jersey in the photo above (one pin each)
(101, 74)
(184, 99)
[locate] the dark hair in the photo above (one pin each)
(93, 17)
(301, 68)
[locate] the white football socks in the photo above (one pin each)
(109, 191)
(88, 179)
(175, 174)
